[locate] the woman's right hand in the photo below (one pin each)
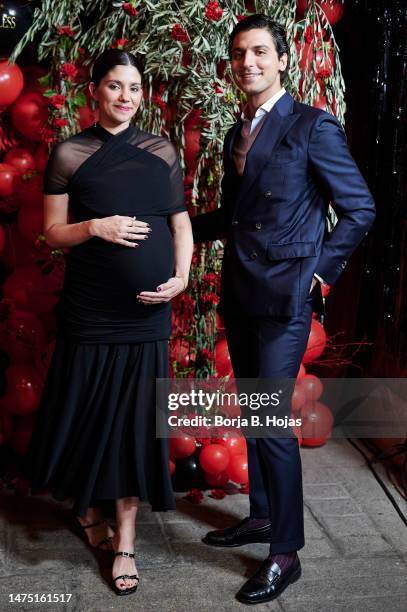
(120, 229)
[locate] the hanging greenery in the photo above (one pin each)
(189, 97)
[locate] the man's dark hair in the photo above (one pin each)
(264, 22)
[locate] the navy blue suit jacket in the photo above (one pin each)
(274, 217)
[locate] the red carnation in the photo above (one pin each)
(206, 355)
(120, 43)
(69, 71)
(130, 9)
(210, 298)
(210, 278)
(158, 101)
(48, 135)
(57, 101)
(195, 496)
(213, 12)
(59, 122)
(66, 31)
(179, 33)
(218, 493)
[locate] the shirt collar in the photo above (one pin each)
(266, 107)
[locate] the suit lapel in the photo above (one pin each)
(276, 125)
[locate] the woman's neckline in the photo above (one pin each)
(106, 133)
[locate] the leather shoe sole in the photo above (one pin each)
(242, 542)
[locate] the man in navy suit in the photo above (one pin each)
(283, 163)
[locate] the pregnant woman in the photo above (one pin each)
(131, 247)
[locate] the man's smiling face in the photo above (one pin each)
(255, 64)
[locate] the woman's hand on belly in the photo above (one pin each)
(120, 229)
(164, 293)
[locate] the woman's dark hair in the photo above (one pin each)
(111, 58)
(276, 30)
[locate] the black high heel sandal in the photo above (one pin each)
(82, 529)
(132, 589)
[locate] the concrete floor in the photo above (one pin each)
(355, 558)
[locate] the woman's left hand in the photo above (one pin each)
(164, 293)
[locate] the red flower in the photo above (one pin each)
(59, 122)
(213, 12)
(324, 73)
(120, 43)
(210, 279)
(82, 50)
(187, 300)
(48, 135)
(206, 355)
(218, 493)
(69, 71)
(195, 496)
(130, 9)
(66, 31)
(158, 101)
(210, 298)
(241, 17)
(194, 260)
(217, 89)
(179, 33)
(57, 101)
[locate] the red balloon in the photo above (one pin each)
(30, 221)
(235, 444)
(301, 371)
(23, 389)
(214, 458)
(29, 191)
(172, 467)
(316, 342)
(31, 76)
(6, 426)
(30, 114)
(192, 139)
(22, 286)
(312, 386)
(324, 63)
(11, 82)
(238, 469)
(317, 422)
(20, 159)
(22, 432)
(222, 358)
(333, 9)
(298, 397)
(8, 180)
(41, 156)
(23, 336)
(2, 239)
(17, 252)
(217, 480)
(181, 447)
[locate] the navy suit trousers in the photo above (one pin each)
(273, 348)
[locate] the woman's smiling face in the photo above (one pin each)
(118, 95)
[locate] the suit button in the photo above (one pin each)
(235, 222)
(258, 225)
(267, 194)
(253, 255)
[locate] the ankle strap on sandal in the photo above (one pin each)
(124, 554)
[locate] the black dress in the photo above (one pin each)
(94, 437)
